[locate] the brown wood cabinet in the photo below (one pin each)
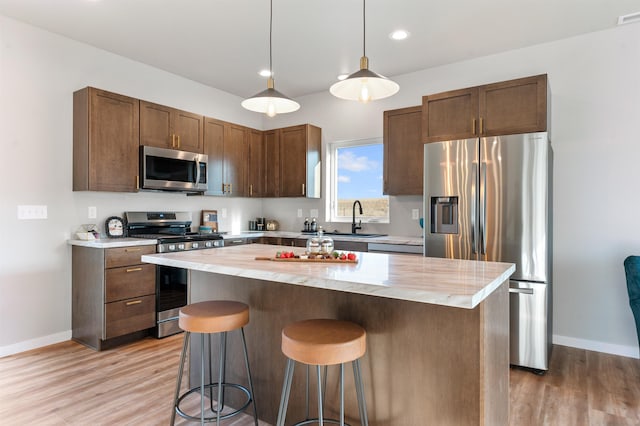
(105, 141)
(299, 148)
(226, 147)
(271, 186)
(256, 164)
(403, 152)
(113, 294)
(508, 107)
(165, 127)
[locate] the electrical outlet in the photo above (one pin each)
(313, 213)
(299, 212)
(415, 214)
(32, 212)
(92, 212)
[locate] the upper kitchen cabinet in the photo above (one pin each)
(226, 147)
(256, 163)
(509, 107)
(300, 161)
(105, 141)
(165, 127)
(403, 151)
(271, 187)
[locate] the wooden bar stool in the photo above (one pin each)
(323, 342)
(207, 318)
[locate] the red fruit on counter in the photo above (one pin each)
(351, 256)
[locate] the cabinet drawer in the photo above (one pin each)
(127, 316)
(123, 256)
(129, 281)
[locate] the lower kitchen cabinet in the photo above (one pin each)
(113, 295)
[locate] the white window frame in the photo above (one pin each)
(331, 181)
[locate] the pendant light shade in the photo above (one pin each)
(270, 101)
(364, 85)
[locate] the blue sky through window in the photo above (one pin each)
(360, 172)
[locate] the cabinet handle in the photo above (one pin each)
(134, 270)
(481, 126)
(303, 189)
(173, 140)
(250, 190)
(134, 302)
(137, 182)
(178, 141)
(129, 250)
(473, 125)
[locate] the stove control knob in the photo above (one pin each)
(172, 247)
(180, 246)
(208, 244)
(195, 245)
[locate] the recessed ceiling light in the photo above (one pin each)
(265, 73)
(627, 19)
(343, 76)
(399, 35)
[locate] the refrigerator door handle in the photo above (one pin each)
(483, 209)
(474, 203)
(521, 290)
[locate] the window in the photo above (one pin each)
(355, 173)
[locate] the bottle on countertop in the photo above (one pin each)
(326, 243)
(306, 224)
(314, 225)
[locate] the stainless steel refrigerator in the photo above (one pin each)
(491, 199)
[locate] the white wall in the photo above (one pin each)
(595, 112)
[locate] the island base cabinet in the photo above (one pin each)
(425, 363)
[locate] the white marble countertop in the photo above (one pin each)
(447, 282)
(113, 242)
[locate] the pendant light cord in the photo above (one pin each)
(270, 35)
(364, 29)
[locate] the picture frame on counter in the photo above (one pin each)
(210, 219)
(114, 227)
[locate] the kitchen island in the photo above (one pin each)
(438, 329)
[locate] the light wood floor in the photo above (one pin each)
(68, 384)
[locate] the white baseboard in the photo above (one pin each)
(592, 345)
(35, 343)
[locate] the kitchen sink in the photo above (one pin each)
(358, 234)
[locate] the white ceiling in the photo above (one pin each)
(224, 43)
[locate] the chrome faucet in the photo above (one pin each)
(355, 227)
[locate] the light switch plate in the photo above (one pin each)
(92, 212)
(32, 212)
(415, 214)
(299, 212)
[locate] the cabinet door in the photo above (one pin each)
(515, 106)
(293, 162)
(214, 148)
(450, 115)
(403, 151)
(271, 186)
(126, 316)
(187, 128)
(235, 141)
(256, 164)
(105, 141)
(155, 125)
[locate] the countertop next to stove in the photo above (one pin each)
(130, 242)
(113, 242)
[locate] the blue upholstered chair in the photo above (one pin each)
(632, 269)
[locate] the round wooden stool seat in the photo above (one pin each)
(324, 341)
(215, 316)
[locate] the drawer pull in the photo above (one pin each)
(134, 302)
(134, 270)
(129, 250)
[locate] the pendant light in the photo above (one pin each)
(364, 85)
(270, 101)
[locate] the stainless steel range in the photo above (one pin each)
(172, 230)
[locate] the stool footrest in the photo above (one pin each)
(315, 421)
(214, 417)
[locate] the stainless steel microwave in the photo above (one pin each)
(172, 170)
